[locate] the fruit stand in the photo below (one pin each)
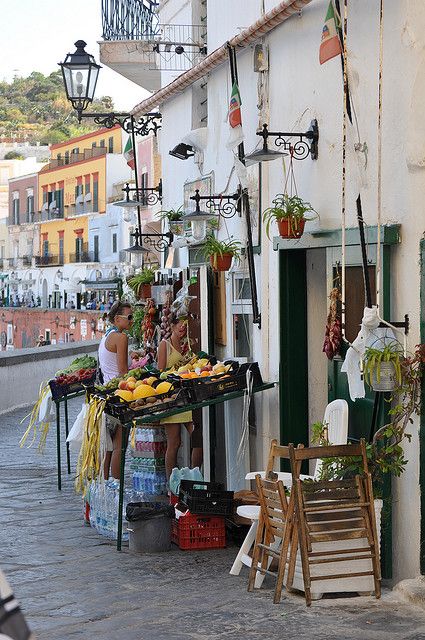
(153, 419)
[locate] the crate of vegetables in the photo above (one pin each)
(81, 373)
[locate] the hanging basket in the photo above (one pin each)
(177, 227)
(145, 291)
(387, 377)
(290, 228)
(221, 263)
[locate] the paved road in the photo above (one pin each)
(73, 585)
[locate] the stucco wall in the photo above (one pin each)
(21, 373)
(298, 90)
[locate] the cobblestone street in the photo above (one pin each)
(73, 584)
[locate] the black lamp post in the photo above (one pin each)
(306, 144)
(80, 73)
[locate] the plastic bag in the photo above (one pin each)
(137, 511)
(177, 475)
(75, 436)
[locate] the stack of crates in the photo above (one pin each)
(203, 525)
(148, 462)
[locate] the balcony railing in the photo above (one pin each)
(88, 154)
(84, 256)
(79, 209)
(48, 261)
(129, 19)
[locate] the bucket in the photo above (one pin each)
(387, 377)
(150, 536)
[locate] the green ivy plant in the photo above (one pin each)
(135, 330)
(286, 207)
(172, 215)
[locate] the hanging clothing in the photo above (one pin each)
(174, 357)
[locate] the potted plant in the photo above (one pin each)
(289, 213)
(141, 283)
(382, 367)
(174, 218)
(221, 253)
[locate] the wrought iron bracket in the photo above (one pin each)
(153, 241)
(224, 205)
(143, 126)
(306, 145)
(144, 196)
(400, 325)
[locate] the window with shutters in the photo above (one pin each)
(15, 207)
(111, 145)
(114, 243)
(96, 248)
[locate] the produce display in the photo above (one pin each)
(113, 384)
(148, 324)
(82, 369)
(199, 368)
(147, 392)
(165, 325)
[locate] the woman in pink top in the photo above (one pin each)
(113, 362)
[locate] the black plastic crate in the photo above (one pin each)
(180, 401)
(61, 390)
(235, 380)
(206, 497)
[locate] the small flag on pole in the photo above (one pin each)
(235, 119)
(331, 43)
(129, 153)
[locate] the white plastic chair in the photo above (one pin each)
(336, 417)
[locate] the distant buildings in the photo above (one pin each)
(62, 240)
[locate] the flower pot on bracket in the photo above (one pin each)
(145, 291)
(290, 228)
(177, 227)
(387, 377)
(221, 263)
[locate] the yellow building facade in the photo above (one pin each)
(70, 187)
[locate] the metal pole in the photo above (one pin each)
(124, 442)
(58, 444)
(245, 202)
(68, 458)
(136, 175)
(364, 253)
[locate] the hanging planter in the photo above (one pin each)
(174, 218)
(291, 228)
(382, 367)
(176, 227)
(221, 263)
(141, 283)
(290, 214)
(221, 253)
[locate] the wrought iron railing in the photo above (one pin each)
(129, 19)
(45, 261)
(84, 256)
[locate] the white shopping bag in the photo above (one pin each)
(75, 437)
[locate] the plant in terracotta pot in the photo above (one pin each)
(290, 214)
(141, 283)
(220, 252)
(174, 218)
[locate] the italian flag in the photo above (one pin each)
(235, 119)
(331, 43)
(129, 153)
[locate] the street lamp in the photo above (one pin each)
(80, 73)
(306, 145)
(218, 205)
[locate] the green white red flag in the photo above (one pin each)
(129, 153)
(235, 119)
(331, 43)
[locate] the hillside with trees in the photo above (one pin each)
(36, 109)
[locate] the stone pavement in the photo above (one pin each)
(73, 584)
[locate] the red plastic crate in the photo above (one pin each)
(173, 499)
(199, 532)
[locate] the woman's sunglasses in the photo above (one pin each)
(129, 317)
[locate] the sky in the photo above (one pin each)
(37, 34)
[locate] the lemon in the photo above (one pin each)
(163, 387)
(150, 380)
(125, 395)
(143, 391)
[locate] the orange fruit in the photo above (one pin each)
(204, 374)
(192, 375)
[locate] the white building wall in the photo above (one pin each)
(300, 90)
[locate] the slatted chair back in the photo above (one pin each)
(331, 511)
(271, 529)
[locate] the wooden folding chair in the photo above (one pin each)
(330, 511)
(271, 530)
